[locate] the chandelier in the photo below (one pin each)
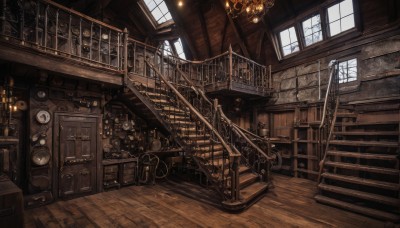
(253, 9)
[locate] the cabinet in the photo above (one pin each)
(10, 158)
(120, 172)
(11, 204)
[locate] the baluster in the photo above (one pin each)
(118, 51)
(70, 45)
(99, 46)
(56, 33)
(91, 42)
(109, 48)
(46, 21)
(37, 22)
(80, 38)
(134, 56)
(22, 24)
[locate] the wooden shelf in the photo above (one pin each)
(119, 161)
(367, 133)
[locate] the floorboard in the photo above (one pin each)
(177, 203)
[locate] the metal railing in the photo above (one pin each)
(331, 104)
(54, 29)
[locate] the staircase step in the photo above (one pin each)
(362, 168)
(151, 94)
(361, 195)
(389, 122)
(359, 209)
(243, 169)
(253, 191)
(216, 154)
(364, 133)
(216, 147)
(363, 181)
(186, 123)
(218, 162)
(346, 115)
(171, 109)
(202, 142)
(246, 179)
(364, 143)
(187, 130)
(177, 117)
(362, 155)
(196, 136)
(160, 101)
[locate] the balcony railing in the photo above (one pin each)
(50, 28)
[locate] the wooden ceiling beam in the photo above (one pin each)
(224, 33)
(259, 45)
(187, 42)
(204, 29)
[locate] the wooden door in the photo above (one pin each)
(77, 155)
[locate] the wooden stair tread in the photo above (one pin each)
(359, 209)
(158, 101)
(361, 195)
(362, 168)
(216, 147)
(361, 155)
(252, 191)
(151, 94)
(366, 123)
(346, 115)
(202, 141)
(361, 133)
(243, 169)
(363, 181)
(195, 136)
(364, 143)
(246, 178)
(209, 155)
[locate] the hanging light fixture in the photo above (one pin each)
(253, 9)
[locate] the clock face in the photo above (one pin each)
(43, 117)
(41, 94)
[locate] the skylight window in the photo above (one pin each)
(312, 30)
(179, 49)
(158, 10)
(341, 17)
(289, 41)
(348, 71)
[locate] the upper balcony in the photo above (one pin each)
(44, 34)
(47, 35)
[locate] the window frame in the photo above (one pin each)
(280, 41)
(346, 59)
(150, 16)
(297, 21)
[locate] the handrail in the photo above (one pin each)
(192, 109)
(321, 165)
(239, 131)
(331, 64)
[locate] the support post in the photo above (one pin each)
(230, 67)
(126, 33)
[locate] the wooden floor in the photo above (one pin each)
(177, 203)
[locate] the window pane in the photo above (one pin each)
(346, 8)
(347, 23)
(317, 36)
(295, 47)
(348, 71)
(179, 49)
(309, 40)
(333, 13)
(307, 27)
(293, 36)
(287, 50)
(150, 4)
(168, 16)
(285, 38)
(163, 8)
(334, 28)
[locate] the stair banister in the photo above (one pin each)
(192, 109)
(237, 129)
(331, 64)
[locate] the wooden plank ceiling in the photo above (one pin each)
(203, 25)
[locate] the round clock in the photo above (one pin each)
(43, 117)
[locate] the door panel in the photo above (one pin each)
(77, 157)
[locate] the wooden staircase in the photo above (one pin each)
(361, 169)
(162, 104)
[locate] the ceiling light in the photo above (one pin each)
(253, 9)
